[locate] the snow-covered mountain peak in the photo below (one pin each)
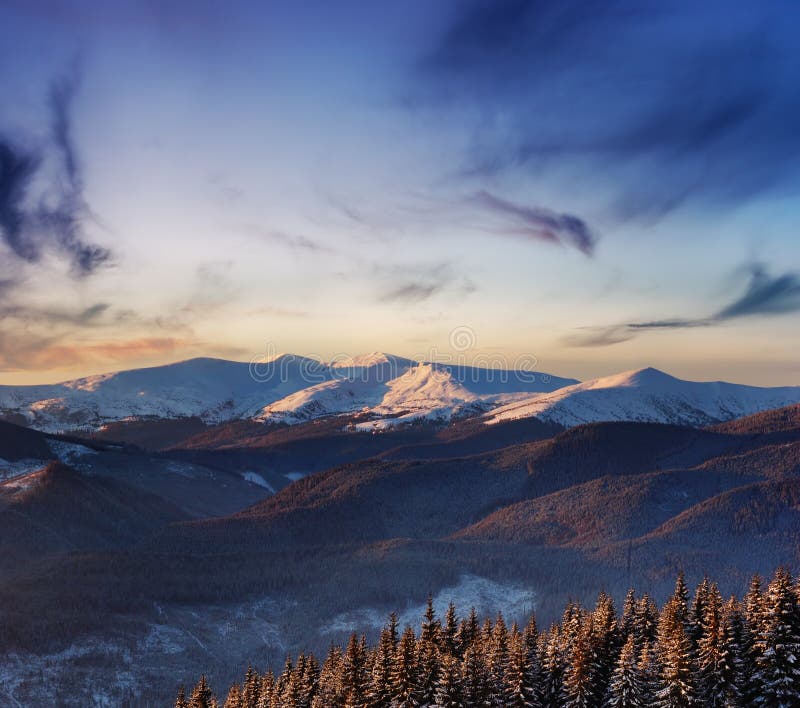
(646, 395)
(363, 361)
(645, 377)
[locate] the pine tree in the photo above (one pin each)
(202, 696)
(697, 613)
(468, 632)
(450, 631)
(431, 628)
(427, 671)
(628, 620)
(329, 692)
(405, 691)
(496, 645)
(476, 681)
(266, 692)
(645, 627)
(626, 689)
(680, 600)
(519, 680)
(234, 699)
(754, 608)
(180, 700)
(675, 650)
(379, 688)
(449, 693)
(604, 643)
(778, 665)
(578, 687)
(393, 631)
(552, 681)
(649, 673)
(717, 669)
(309, 680)
(250, 688)
(354, 673)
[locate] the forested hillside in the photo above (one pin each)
(702, 650)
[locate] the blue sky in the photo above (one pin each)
(600, 185)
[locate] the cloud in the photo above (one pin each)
(668, 105)
(537, 223)
(50, 316)
(411, 284)
(57, 221)
(764, 295)
(31, 352)
(297, 242)
(17, 169)
(412, 292)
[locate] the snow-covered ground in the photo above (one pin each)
(486, 596)
(647, 395)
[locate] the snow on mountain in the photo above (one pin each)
(391, 390)
(287, 388)
(213, 389)
(359, 383)
(646, 395)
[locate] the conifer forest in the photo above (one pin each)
(698, 649)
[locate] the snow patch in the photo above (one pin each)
(18, 468)
(257, 479)
(485, 595)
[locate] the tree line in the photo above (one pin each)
(699, 650)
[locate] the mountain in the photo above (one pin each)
(57, 509)
(372, 393)
(285, 389)
(211, 389)
(389, 390)
(647, 395)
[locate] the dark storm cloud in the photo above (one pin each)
(538, 223)
(57, 220)
(668, 104)
(764, 295)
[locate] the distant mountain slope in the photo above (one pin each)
(647, 395)
(18, 443)
(58, 509)
(378, 499)
(775, 420)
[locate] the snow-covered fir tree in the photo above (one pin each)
(626, 688)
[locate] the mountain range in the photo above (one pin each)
(380, 391)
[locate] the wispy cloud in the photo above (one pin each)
(31, 225)
(666, 105)
(31, 352)
(296, 242)
(764, 295)
(411, 284)
(536, 222)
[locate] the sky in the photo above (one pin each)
(592, 186)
